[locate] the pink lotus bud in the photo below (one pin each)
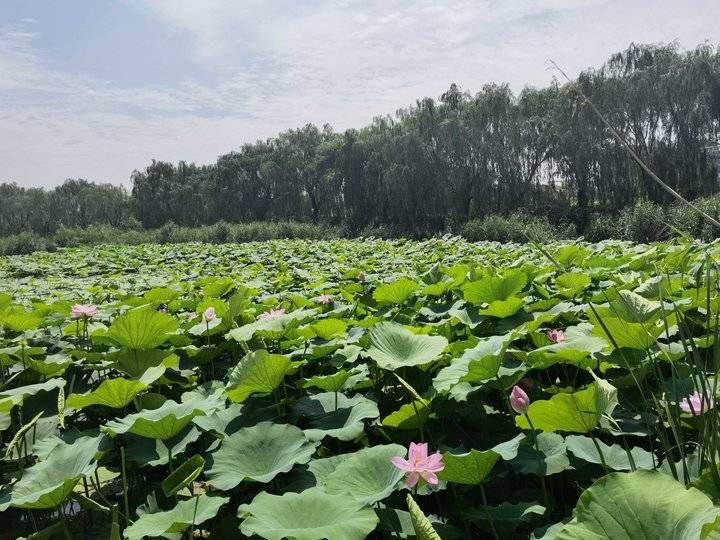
(556, 336)
(519, 400)
(209, 314)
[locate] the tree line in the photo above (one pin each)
(438, 163)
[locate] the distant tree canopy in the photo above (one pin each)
(438, 163)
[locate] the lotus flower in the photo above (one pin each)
(272, 314)
(323, 299)
(556, 336)
(419, 465)
(697, 403)
(209, 314)
(361, 276)
(519, 400)
(83, 310)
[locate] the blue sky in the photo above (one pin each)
(97, 88)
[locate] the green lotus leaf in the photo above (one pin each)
(486, 358)
(335, 415)
(329, 383)
(571, 284)
(162, 423)
(15, 396)
(623, 334)
(329, 328)
(615, 457)
(630, 307)
(18, 319)
(577, 349)
(471, 468)
(578, 412)
(49, 482)
(396, 292)
(408, 416)
(421, 524)
(495, 288)
(136, 362)
(142, 329)
(503, 308)
(258, 453)
(640, 505)
(189, 512)
(183, 475)
(367, 476)
(113, 393)
(392, 346)
(275, 326)
(258, 372)
(551, 459)
(51, 366)
(310, 515)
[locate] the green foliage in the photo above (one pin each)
(285, 423)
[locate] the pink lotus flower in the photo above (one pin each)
(209, 314)
(323, 299)
(419, 465)
(272, 314)
(556, 336)
(519, 400)
(83, 310)
(697, 403)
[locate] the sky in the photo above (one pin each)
(97, 88)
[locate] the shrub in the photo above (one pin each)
(644, 222)
(604, 226)
(516, 228)
(23, 243)
(690, 222)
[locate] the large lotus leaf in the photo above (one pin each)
(470, 468)
(577, 349)
(329, 328)
(335, 415)
(48, 483)
(185, 513)
(503, 308)
(623, 334)
(162, 423)
(310, 515)
(495, 288)
(522, 455)
(258, 453)
(15, 396)
(396, 292)
(630, 307)
(486, 356)
(408, 416)
(572, 283)
(615, 456)
(135, 362)
(392, 346)
(578, 412)
(113, 393)
(19, 319)
(641, 505)
(329, 383)
(274, 326)
(366, 476)
(142, 329)
(50, 366)
(258, 372)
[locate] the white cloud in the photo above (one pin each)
(277, 65)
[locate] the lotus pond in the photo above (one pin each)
(361, 389)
